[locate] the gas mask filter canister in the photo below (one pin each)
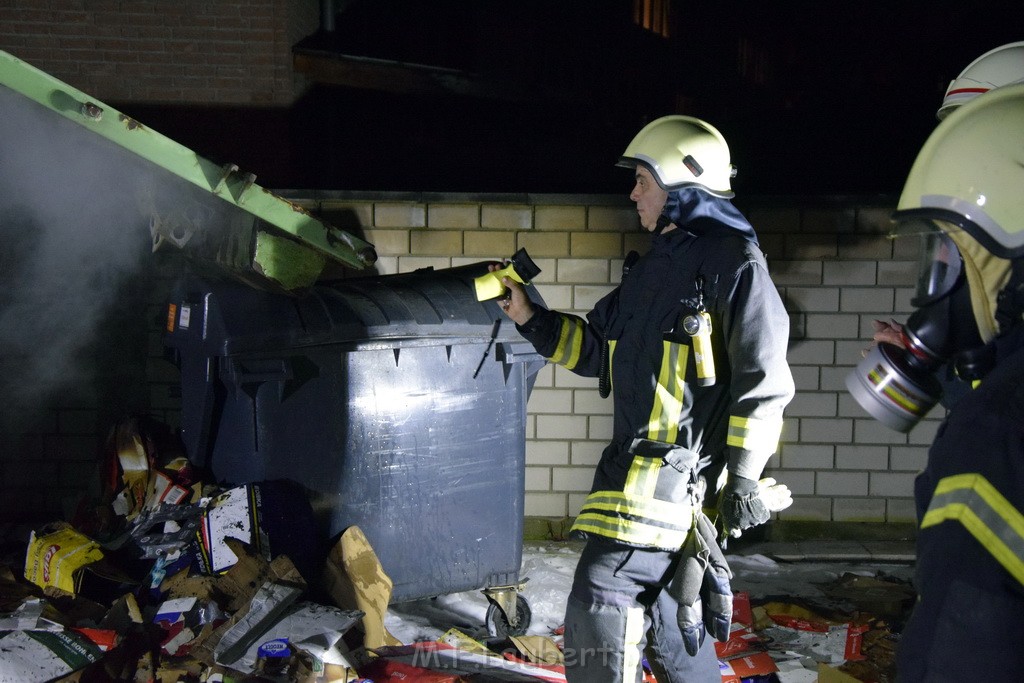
(894, 391)
(897, 386)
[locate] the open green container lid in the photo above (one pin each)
(217, 214)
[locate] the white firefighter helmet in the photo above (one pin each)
(966, 182)
(1001, 66)
(682, 151)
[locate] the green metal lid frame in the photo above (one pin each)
(224, 182)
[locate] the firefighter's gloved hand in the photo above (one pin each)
(716, 591)
(685, 590)
(743, 506)
(701, 587)
(775, 496)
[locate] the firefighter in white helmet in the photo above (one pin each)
(963, 195)
(692, 348)
(999, 66)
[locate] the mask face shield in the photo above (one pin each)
(940, 267)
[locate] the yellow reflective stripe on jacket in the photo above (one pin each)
(642, 479)
(993, 520)
(663, 424)
(753, 434)
(629, 531)
(611, 358)
(661, 511)
(570, 342)
(631, 519)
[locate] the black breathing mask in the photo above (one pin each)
(898, 386)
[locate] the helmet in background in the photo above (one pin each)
(970, 172)
(1001, 66)
(682, 151)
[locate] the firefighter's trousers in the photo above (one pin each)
(618, 609)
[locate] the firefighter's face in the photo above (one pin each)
(649, 198)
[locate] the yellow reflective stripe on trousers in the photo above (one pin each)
(663, 424)
(751, 433)
(570, 342)
(631, 643)
(993, 520)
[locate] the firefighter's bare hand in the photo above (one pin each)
(889, 332)
(515, 303)
(885, 332)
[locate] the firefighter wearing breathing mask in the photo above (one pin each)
(964, 197)
(1000, 66)
(692, 347)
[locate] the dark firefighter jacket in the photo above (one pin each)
(968, 623)
(666, 427)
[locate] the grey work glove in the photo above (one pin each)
(747, 503)
(701, 587)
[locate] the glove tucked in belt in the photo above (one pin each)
(701, 587)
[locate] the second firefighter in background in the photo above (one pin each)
(682, 439)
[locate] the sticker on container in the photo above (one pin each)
(184, 316)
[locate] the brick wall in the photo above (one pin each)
(832, 263)
(175, 51)
(829, 258)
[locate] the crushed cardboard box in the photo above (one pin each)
(355, 580)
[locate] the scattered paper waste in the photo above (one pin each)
(169, 579)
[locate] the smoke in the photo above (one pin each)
(72, 234)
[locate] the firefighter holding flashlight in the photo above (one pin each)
(963, 197)
(692, 347)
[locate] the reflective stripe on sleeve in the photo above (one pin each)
(752, 434)
(570, 342)
(993, 520)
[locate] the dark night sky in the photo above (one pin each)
(845, 96)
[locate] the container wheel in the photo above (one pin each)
(498, 623)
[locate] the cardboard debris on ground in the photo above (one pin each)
(27, 656)
(168, 579)
(538, 650)
(57, 557)
(355, 579)
(235, 513)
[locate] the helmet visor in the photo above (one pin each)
(941, 266)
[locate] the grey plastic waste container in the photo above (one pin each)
(398, 402)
